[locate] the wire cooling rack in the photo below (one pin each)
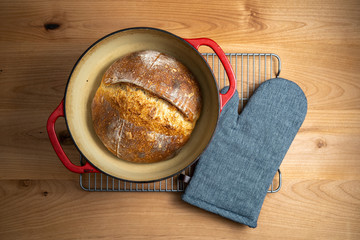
(251, 69)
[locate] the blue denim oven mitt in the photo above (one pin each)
(235, 172)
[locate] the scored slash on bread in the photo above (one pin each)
(146, 107)
(161, 75)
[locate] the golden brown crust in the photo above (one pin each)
(161, 75)
(135, 110)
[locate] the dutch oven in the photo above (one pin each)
(86, 76)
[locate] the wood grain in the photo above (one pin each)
(319, 45)
(59, 209)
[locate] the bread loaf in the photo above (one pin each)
(146, 107)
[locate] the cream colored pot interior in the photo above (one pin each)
(86, 78)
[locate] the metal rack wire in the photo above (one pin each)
(251, 69)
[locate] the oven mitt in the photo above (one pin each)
(234, 173)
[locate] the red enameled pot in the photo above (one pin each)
(86, 76)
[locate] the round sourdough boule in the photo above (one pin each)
(146, 107)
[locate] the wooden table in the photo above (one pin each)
(319, 45)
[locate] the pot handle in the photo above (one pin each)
(59, 112)
(196, 43)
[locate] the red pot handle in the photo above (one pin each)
(59, 112)
(196, 43)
